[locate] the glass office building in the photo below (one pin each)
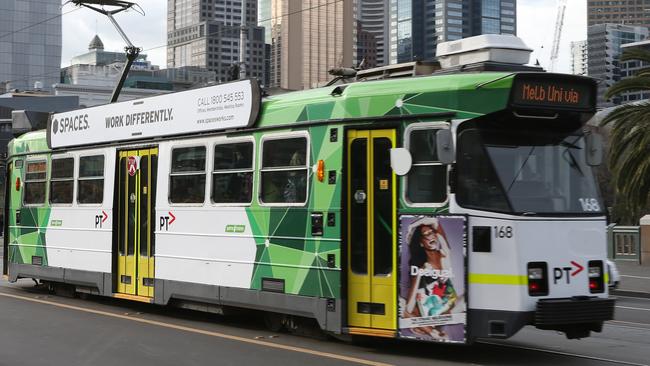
(418, 25)
(30, 44)
(206, 33)
(604, 48)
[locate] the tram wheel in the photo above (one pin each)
(275, 322)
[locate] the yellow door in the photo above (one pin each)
(372, 279)
(135, 227)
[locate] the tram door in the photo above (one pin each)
(5, 222)
(135, 225)
(372, 232)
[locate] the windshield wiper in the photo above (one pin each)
(514, 179)
(570, 145)
(574, 162)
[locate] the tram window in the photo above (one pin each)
(232, 176)
(91, 179)
(426, 183)
(35, 183)
(284, 171)
(187, 179)
(62, 182)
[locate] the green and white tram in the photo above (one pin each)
(447, 207)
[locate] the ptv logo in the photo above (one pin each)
(565, 273)
(100, 219)
(165, 221)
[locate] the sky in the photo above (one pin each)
(535, 25)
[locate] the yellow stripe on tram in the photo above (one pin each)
(498, 279)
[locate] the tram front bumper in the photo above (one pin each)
(575, 316)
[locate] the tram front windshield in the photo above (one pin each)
(525, 171)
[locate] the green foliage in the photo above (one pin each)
(629, 154)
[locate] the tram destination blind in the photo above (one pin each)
(561, 94)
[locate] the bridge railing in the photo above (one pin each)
(624, 242)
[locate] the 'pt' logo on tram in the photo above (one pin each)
(565, 272)
(100, 219)
(165, 221)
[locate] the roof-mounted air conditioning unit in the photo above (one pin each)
(500, 48)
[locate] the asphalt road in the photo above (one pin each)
(38, 328)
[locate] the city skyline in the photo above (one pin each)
(152, 34)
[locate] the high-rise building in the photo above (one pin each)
(631, 68)
(372, 19)
(627, 12)
(264, 20)
(579, 58)
(206, 33)
(30, 43)
(417, 26)
(308, 39)
(604, 49)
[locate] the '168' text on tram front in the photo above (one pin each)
(550, 93)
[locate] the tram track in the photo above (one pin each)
(37, 295)
(217, 334)
(563, 353)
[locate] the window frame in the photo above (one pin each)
(172, 174)
(73, 178)
(261, 169)
(407, 144)
(40, 159)
(79, 178)
(233, 141)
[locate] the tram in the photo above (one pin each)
(444, 208)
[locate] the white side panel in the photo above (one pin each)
(80, 236)
(77, 244)
(196, 248)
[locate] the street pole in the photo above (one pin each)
(242, 42)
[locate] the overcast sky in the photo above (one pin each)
(535, 25)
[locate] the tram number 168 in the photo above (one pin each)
(501, 232)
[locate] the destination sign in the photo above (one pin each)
(218, 107)
(564, 92)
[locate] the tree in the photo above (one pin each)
(629, 153)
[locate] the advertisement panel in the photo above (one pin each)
(432, 293)
(218, 107)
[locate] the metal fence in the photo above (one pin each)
(623, 242)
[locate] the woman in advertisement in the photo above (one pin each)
(431, 291)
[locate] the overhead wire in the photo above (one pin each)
(165, 45)
(38, 23)
(262, 21)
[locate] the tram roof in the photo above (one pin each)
(467, 94)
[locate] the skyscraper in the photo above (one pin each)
(309, 38)
(631, 68)
(30, 43)
(628, 12)
(372, 32)
(579, 58)
(604, 49)
(206, 33)
(418, 25)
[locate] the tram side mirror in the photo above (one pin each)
(594, 149)
(445, 146)
(400, 160)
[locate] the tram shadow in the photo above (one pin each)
(476, 353)
(240, 318)
(253, 324)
